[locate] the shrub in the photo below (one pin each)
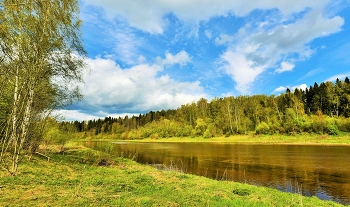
(275, 128)
(343, 124)
(210, 131)
(319, 123)
(155, 136)
(262, 128)
(305, 124)
(332, 128)
(124, 135)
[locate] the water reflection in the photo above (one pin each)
(323, 171)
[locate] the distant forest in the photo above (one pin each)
(323, 109)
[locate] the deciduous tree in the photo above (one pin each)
(41, 56)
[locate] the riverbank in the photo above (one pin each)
(76, 178)
(298, 139)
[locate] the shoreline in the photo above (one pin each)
(307, 140)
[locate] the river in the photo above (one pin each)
(322, 171)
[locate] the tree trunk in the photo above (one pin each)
(25, 126)
(236, 118)
(229, 117)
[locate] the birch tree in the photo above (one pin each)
(41, 56)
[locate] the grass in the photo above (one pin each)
(75, 179)
(298, 139)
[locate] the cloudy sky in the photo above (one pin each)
(160, 54)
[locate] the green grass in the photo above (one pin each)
(298, 139)
(75, 179)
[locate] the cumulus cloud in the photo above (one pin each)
(242, 70)
(280, 89)
(181, 58)
(284, 88)
(150, 15)
(255, 50)
(285, 66)
(72, 115)
(110, 89)
(302, 86)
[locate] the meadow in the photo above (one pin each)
(84, 177)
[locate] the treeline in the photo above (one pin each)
(320, 109)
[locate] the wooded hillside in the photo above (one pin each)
(320, 108)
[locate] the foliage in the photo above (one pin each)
(41, 56)
(319, 123)
(262, 128)
(343, 124)
(210, 131)
(332, 128)
(289, 113)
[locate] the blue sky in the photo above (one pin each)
(156, 54)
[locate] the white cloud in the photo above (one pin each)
(126, 45)
(72, 115)
(242, 70)
(284, 88)
(339, 76)
(110, 89)
(141, 59)
(181, 58)
(255, 50)
(149, 15)
(224, 38)
(302, 86)
(280, 89)
(116, 37)
(285, 66)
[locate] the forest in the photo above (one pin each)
(322, 108)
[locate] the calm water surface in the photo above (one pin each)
(323, 171)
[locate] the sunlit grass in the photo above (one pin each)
(75, 179)
(300, 139)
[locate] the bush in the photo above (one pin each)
(319, 123)
(275, 128)
(210, 131)
(332, 128)
(262, 128)
(305, 124)
(133, 134)
(343, 124)
(186, 131)
(155, 136)
(124, 135)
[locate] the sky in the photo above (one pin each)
(160, 54)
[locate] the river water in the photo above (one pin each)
(322, 171)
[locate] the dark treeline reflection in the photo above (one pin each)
(322, 171)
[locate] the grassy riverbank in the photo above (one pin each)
(298, 139)
(75, 179)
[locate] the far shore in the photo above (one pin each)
(299, 139)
